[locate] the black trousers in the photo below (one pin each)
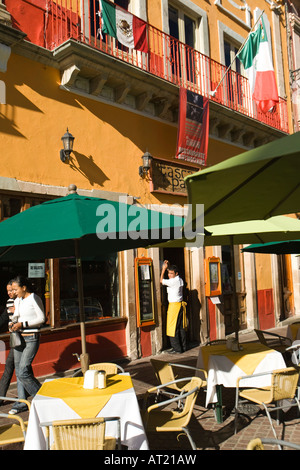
(178, 342)
(7, 374)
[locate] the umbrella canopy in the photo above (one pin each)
(275, 228)
(257, 184)
(277, 248)
(100, 226)
(82, 226)
(253, 231)
(239, 233)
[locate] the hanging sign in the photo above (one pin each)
(36, 270)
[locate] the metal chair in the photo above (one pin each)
(82, 434)
(283, 387)
(273, 340)
(165, 373)
(295, 350)
(259, 443)
(215, 342)
(109, 367)
(168, 420)
(14, 432)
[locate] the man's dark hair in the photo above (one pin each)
(174, 268)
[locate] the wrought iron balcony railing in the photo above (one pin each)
(168, 59)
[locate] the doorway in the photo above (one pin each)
(174, 256)
(287, 295)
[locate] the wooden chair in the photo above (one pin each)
(15, 431)
(82, 434)
(109, 367)
(168, 420)
(283, 387)
(273, 340)
(165, 373)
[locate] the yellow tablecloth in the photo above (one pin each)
(247, 359)
(86, 403)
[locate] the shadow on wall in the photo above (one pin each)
(88, 168)
(102, 351)
(194, 307)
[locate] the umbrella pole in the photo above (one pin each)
(235, 304)
(84, 357)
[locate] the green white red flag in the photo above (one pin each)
(257, 61)
(128, 29)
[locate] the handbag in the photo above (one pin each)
(15, 339)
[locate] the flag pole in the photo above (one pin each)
(213, 93)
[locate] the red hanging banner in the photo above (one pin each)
(193, 127)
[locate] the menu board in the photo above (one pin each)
(144, 291)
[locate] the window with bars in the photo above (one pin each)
(233, 78)
(182, 27)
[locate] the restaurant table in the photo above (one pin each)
(224, 367)
(65, 398)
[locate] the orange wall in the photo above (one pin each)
(109, 142)
(55, 354)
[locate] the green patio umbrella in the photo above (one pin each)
(276, 228)
(256, 184)
(277, 248)
(82, 227)
(240, 233)
(251, 231)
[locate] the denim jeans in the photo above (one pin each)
(23, 356)
(7, 376)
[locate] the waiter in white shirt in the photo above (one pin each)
(176, 315)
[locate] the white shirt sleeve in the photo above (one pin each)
(170, 282)
(16, 314)
(39, 310)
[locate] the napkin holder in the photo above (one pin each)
(90, 379)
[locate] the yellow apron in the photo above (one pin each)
(172, 315)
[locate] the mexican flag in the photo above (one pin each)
(128, 29)
(257, 61)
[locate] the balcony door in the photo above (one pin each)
(182, 45)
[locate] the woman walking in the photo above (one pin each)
(30, 316)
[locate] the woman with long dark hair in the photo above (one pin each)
(29, 311)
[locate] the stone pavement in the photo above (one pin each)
(206, 432)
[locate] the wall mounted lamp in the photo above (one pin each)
(68, 141)
(147, 159)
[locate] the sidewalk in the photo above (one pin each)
(206, 432)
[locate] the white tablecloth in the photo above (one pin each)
(123, 404)
(222, 371)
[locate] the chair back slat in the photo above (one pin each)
(284, 383)
(163, 371)
(79, 435)
(109, 367)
